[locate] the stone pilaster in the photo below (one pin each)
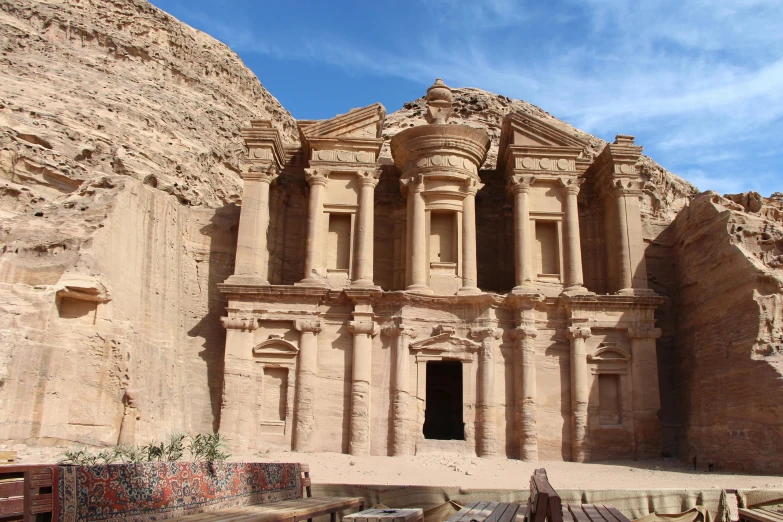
(363, 330)
(487, 439)
(365, 225)
(238, 382)
(574, 278)
(403, 418)
(315, 272)
(523, 243)
(469, 265)
(306, 385)
(646, 397)
(579, 393)
(525, 391)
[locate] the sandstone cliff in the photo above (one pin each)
(729, 332)
(119, 163)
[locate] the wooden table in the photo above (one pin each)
(489, 512)
(386, 515)
(592, 513)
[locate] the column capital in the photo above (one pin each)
(263, 173)
(396, 330)
(368, 177)
(643, 332)
(570, 186)
(239, 323)
(482, 333)
(525, 332)
(363, 327)
(472, 186)
(521, 184)
(308, 325)
(316, 176)
(627, 187)
(578, 332)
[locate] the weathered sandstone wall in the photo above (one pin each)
(729, 335)
(119, 167)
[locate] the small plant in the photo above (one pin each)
(78, 457)
(131, 454)
(171, 450)
(208, 448)
(108, 456)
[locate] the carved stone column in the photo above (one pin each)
(645, 394)
(251, 261)
(574, 278)
(417, 243)
(363, 270)
(525, 391)
(403, 437)
(469, 265)
(314, 272)
(487, 440)
(363, 332)
(306, 384)
(238, 420)
(522, 238)
(579, 393)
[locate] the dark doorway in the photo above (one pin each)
(443, 413)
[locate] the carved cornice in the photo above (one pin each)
(263, 143)
(615, 166)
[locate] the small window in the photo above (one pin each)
(339, 247)
(548, 253)
(609, 400)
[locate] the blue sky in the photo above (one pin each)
(698, 82)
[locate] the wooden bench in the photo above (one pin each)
(305, 508)
(760, 515)
(27, 491)
(544, 505)
(488, 512)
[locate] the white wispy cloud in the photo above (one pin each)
(702, 79)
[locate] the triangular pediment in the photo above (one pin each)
(446, 342)
(526, 130)
(363, 123)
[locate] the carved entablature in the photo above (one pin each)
(530, 147)
(239, 323)
(347, 141)
(264, 146)
(615, 168)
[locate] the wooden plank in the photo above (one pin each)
(12, 488)
(567, 516)
(510, 513)
(12, 506)
(593, 513)
(41, 503)
(616, 512)
(608, 516)
(304, 468)
(579, 515)
(486, 512)
(499, 511)
(466, 511)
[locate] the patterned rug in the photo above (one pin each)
(156, 491)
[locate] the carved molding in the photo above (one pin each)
(316, 177)
(363, 327)
(578, 332)
(553, 164)
(344, 156)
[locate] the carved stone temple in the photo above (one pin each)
(393, 298)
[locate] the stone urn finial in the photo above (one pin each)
(439, 100)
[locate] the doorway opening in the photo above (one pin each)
(443, 413)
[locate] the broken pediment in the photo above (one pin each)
(363, 123)
(609, 352)
(445, 340)
(525, 130)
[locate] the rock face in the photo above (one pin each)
(729, 336)
(119, 166)
(120, 161)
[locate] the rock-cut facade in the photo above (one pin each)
(420, 303)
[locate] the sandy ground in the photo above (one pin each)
(448, 469)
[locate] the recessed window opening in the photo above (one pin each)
(275, 394)
(609, 403)
(339, 246)
(548, 253)
(443, 240)
(443, 406)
